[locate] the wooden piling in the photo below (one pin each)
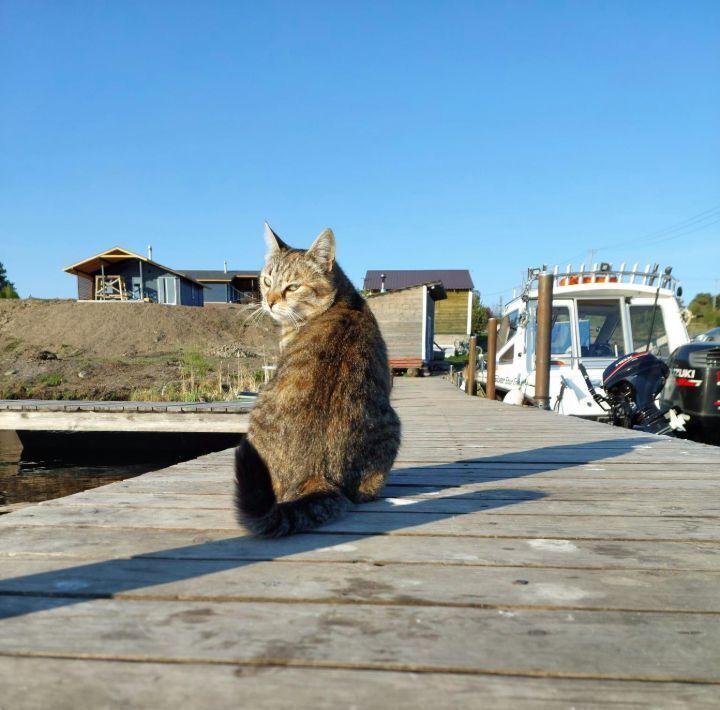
(472, 361)
(542, 345)
(490, 358)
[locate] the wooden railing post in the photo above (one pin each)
(542, 344)
(490, 358)
(472, 362)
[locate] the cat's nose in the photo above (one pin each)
(272, 299)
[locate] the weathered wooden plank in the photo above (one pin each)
(62, 405)
(141, 420)
(395, 583)
(81, 543)
(454, 502)
(403, 522)
(669, 647)
(31, 683)
(567, 456)
(176, 483)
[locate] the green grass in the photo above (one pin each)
(457, 360)
(52, 379)
(194, 365)
(199, 382)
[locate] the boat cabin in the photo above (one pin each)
(598, 315)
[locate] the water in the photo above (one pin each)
(42, 474)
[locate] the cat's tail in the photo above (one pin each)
(258, 509)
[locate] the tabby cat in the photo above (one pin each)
(322, 434)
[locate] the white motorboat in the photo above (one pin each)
(598, 315)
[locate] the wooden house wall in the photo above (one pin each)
(451, 314)
(85, 286)
(129, 270)
(189, 294)
(400, 317)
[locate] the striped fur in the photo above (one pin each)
(322, 434)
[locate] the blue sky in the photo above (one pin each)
(484, 135)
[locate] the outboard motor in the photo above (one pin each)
(631, 384)
(694, 389)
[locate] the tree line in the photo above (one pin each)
(706, 310)
(7, 288)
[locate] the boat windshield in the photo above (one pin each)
(561, 334)
(600, 328)
(642, 321)
(507, 331)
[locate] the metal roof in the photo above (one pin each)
(452, 279)
(219, 275)
(435, 289)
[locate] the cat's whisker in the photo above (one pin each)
(254, 315)
(289, 315)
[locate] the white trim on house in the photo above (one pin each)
(423, 354)
(469, 318)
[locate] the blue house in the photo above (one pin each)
(121, 275)
(228, 286)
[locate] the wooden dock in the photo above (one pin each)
(87, 416)
(517, 559)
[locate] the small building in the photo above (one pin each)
(406, 318)
(453, 316)
(121, 275)
(228, 286)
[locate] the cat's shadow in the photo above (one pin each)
(390, 514)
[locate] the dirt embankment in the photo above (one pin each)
(70, 350)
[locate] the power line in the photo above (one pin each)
(696, 222)
(690, 225)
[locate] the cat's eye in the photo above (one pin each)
(293, 287)
(267, 281)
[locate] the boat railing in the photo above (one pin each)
(603, 272)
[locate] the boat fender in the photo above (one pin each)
(515, 397)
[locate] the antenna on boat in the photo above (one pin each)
(652, 320)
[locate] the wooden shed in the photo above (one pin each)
(407, 321)
(453, 317)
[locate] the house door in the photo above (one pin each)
(168, 287)
(137, 293)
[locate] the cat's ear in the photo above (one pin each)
(323, 249)
(273, 241)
